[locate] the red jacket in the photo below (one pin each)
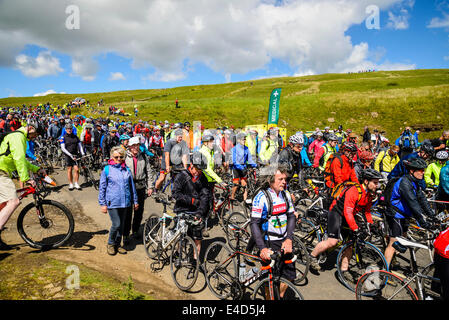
(441, 244)
(341, 173)
(349, 204)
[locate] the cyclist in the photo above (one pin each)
(124, 141)
(192, 194)
(241, 159)
(12, 158)
(365, 161)
(315, 148)
(291, 157)
(156, 141)
(269, 147)
(407, 200)
(273, 221)
(443, 188)
(72, 147)
(328, 149)
(341, 167)
(407, 143)
(174, 158)
(110, 140)
(87, 138)
(432, 173)
(352, 200)
(387, 160)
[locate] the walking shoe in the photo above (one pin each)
(121, 250)
(111, 250)
(77, 187)
(206, 233)
(314, 263)
(71, 186)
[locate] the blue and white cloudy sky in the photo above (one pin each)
(146, 44)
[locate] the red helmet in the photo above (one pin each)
(366, 155)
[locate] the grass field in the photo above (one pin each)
(386, 100)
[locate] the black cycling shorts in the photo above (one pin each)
(69, 162)
(239, 174)
(288, 270)
(396, 227)
(196, 231)
(337, 227)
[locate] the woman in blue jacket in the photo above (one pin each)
(117, 196)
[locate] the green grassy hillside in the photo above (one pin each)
(385, 100)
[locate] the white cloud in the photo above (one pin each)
(51, 91)
(43, 65)
(231, 37)
(398, 22)
(115, 76)
(439, 22)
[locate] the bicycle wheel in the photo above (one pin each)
(383, 285)
(307, 232)
(183, 264)
(236, 221)
(152, 236)
(221, 271)
(270, 290)
(302, 263)
(52, 230)
(365, 257)
(92, 180)
(431, 285)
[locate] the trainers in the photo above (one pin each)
(77, 187)
(121, 250)
(71, 186)
(111, 250)
(314, 263)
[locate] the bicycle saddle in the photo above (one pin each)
(402, 244)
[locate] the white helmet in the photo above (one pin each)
(296, 139)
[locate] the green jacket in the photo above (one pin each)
(16, 160)
(267, 148)
(209, 172)
(328, 150)
(432, 174)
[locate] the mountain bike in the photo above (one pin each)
(85, 165)
(44, 224)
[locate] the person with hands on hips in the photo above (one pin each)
(273, 221)
(117, 196)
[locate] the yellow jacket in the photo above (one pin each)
(388, 162)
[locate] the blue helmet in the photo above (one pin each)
(124, 137)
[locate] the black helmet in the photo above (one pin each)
(415, 164)
(370, 174)
(427, 148)
(198, 160)
(187, 123)
(349, 146)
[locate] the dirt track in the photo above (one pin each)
(88, 247)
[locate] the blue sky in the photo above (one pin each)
(170, 43)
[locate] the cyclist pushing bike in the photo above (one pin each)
(352, 199)
(273, 221)
(13, 158)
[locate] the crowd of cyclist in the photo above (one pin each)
(139, 156)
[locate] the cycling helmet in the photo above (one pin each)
(370, 174)
(241, 136)
(68, 126)
(124, 137)
(178, 132)
(332, 137)
(415, 164)
(207, 138)
(427, 148)
(349, 146)
(366, 155)
(198, 160)
(442, 155)
(296, 139)
(187, 123)
(319, 134)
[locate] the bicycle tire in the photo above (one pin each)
(51, 232)
(431, 287)
(153, 225)
(221, 271)
(383, 285)
(307, 232)
(184, 249)
(369, 258)
(260, 291)
(236, 219)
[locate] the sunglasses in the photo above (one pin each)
(120, 157)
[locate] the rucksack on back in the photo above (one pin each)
(339, 190)
(328, 175)
(385, 198)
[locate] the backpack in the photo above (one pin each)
(328, 175)
(340, 190)
(2, 137)
(406, 141)
(385, 198)
(381, 163)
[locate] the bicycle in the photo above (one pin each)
(159, 239)
(44, 224)
(227, 278)
(389, 285)
(84, 164)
